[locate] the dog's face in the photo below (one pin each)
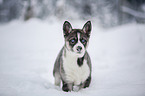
(76, 40)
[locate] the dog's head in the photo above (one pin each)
(76, 40)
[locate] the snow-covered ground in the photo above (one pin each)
(28, 51)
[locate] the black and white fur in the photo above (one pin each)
(73, 64)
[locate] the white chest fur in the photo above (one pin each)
(74, 73)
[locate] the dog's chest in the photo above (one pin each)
(74, 73)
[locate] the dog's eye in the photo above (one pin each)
(83, 41)
(72, 41)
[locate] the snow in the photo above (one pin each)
(1, 1)
(28, 51)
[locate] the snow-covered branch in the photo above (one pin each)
(133, 12)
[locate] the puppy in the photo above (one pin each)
(73, 64)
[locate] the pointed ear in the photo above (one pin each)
(87, 28)
(66, 28)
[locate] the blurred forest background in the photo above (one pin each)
(107, 13)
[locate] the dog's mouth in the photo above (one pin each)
(79, 52)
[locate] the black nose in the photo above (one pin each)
(79, 48)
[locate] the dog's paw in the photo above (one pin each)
(65, 88)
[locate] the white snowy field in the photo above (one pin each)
(28, 51)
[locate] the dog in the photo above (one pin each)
(73, 64)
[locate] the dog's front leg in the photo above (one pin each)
(86, 83)
(67, 87)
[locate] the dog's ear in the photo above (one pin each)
(66, 28)
(87, 28)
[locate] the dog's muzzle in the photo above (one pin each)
(79, 48)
